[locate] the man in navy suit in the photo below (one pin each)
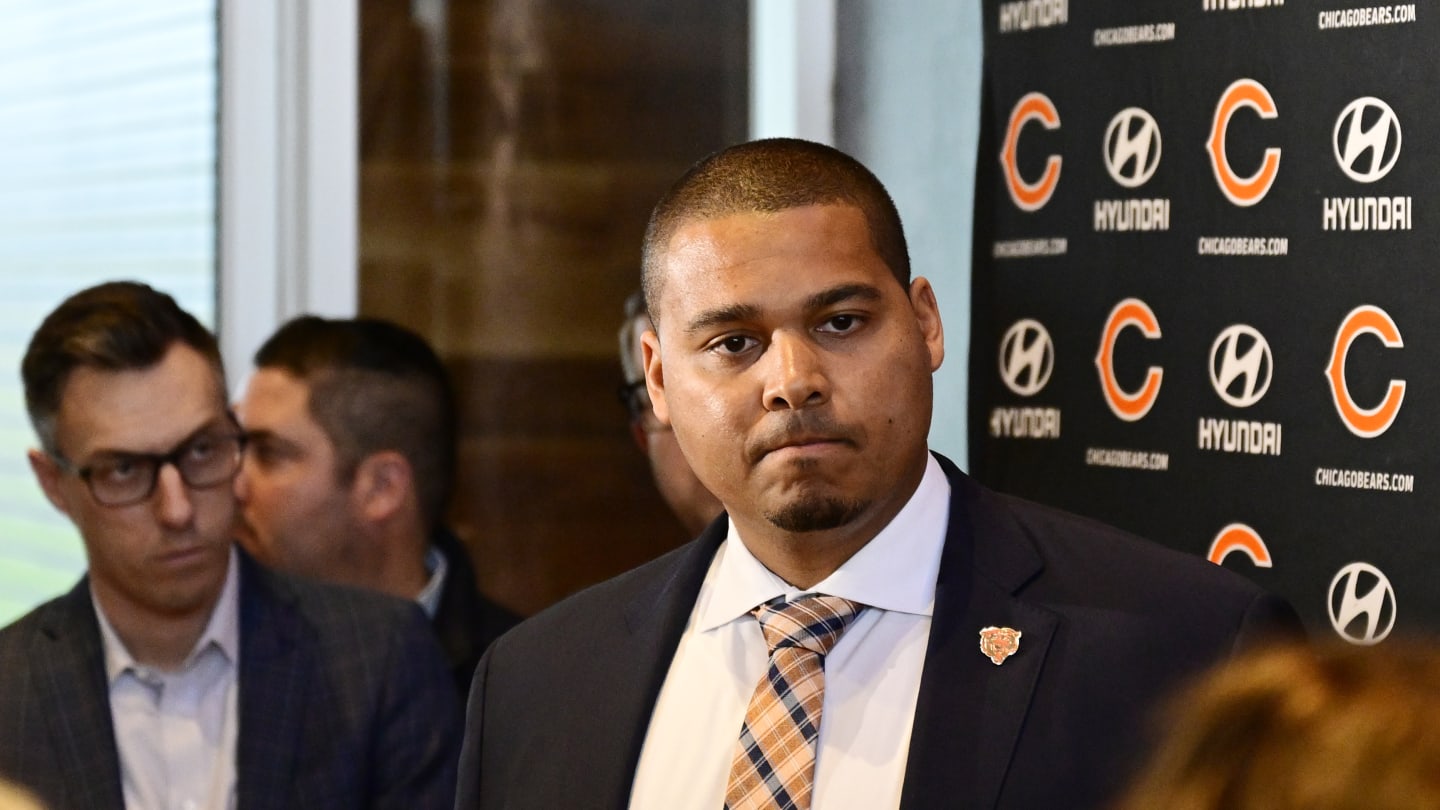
(1005, 653)
(178, 672)
(349, 467)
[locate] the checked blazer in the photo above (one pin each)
(559, 707)
(345, 701)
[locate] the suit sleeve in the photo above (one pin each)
(1268, 620)
(417, 740)
(467, 792)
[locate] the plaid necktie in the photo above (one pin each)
(774, 766)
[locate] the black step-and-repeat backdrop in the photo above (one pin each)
(1207, 287)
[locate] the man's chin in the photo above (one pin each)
(815, 514)
(244, 535)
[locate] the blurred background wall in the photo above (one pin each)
(481, 171)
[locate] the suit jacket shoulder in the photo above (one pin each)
(560, 705)
(344, 702)
(345, 699)
(1110, 624)
(1085, 566)
(54, 706)
(466, 622)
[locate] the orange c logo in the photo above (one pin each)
(1241, 538)
(1030, 196)
(1243, 191)
(1364, 422)
(1128, 406)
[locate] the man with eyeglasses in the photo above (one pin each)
(179, 673)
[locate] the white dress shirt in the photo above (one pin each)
(176, 731)
(872, 675)
(439, 568)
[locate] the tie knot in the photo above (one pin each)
(813, 622)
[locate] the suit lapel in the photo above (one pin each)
(74, 698)
(654, 621)
(970, 711)
(274, 668)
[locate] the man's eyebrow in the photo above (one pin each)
(842, 294)
(719, 315)
(820, 300)
(259, 434)
(213, 424)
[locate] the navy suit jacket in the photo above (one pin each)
(345, 701)
(560, 706)
(465, 621)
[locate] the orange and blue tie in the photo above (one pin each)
(774, 765)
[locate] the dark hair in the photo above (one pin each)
(775, 174)
(115, 326)
(374, 386)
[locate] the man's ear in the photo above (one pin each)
(654, 375)
(384, 483)
(927, 313)
(47, 474)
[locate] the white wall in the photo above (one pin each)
(907, 104)
(288, 167)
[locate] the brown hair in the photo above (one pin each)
(115, 326)
(374, 386)
(1298, 727)
(765, 176)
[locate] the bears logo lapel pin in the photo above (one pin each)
(999, 643)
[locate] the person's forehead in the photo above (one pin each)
(828, 243)
(706, 237)
(140, 410)
(272, 391)
(277, 401)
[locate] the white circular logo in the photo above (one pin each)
(1367, 139)
(1361, 592)
(1132, 147)
(1241, 365)
(1027, 356)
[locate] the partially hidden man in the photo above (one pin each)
(349, 468)
(178, 673)
(865, 627)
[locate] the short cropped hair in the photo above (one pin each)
(374, 386)
(767, 176)
(115, 326)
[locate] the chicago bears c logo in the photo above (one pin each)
(1243, 191)
(1241, 538)
(1128, 405)
(1030, 196)
(1364, 422)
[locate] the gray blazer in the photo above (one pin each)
(345, 701)
(560, 706)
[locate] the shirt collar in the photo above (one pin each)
(429, 596)
(222, 630)
(895, 571)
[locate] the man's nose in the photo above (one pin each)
(173, 502)
(241, 483)
(795, 373)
